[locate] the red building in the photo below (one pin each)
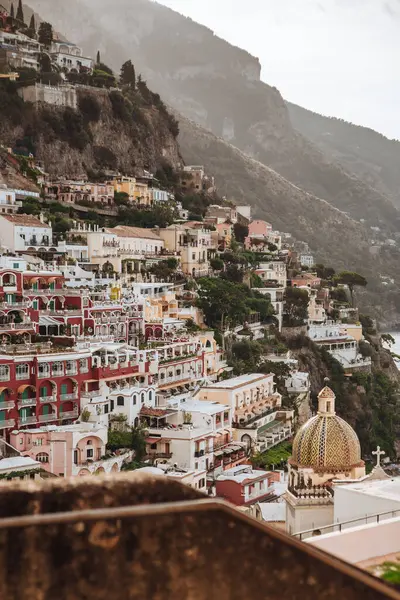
(243, 486)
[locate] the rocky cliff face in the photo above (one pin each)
(107, 131)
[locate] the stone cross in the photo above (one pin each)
(378, 453)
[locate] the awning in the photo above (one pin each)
(22, 388)
(46, 321)
(151, 440)
(2, 389)
(218, 453)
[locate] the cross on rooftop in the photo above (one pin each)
(378, 453)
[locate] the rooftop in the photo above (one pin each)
(134, 232)
(25, 221)
(235, 382)
(389, 488)
(273, 512)
(17, 462)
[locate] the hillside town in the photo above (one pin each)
(148, 323)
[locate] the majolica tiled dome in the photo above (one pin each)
(326, 441)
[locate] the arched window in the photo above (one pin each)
(89, 443)
(4, 373)
(142, 397)
(42, 457)
(150, 396)
(134, 399)
(120, 401)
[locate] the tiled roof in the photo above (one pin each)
(153, 412)
(25, 220)
(134, 232)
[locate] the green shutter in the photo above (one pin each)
(64, 389)
(46, 409)
(43, 392)
(2, 415)
(25, 394)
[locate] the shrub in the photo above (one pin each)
(90, 107)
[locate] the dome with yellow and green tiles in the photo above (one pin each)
(326, 442)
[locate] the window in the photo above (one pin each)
(42, 457)
(196, 466)
(4, 373)
(22, 371)
(106, 409)
(75, 457)
(202, 483)
(120, 401)
(193, 256)
(134, 399)
(89, 452)
(38, 442)
(64, 389)
(143, 398)
(111, 405)
(150, 396)
(153, 446)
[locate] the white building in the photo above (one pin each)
(8, 202)
(273, 271)
(69, 57)
(336, 338)
(307, 260)
(24, 233)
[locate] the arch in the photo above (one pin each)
(42, 457)
(99, 471)
(115, 468)
(84, 472)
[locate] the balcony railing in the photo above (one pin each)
(73, 396)
(111, 515)
(28, 420)
(7, 405)
(26, 402)
(7, 424)
(47, 418)
(46, 399)
(71, 414)
(92, 394)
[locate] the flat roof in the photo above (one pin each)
(229, 384)
(387, 488)
(203, 406)
(15, 462)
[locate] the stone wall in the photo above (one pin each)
(49, 94)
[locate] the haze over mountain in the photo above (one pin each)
(334, 57)
(218, 86)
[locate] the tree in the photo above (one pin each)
(45, 35)
(138, 442)
(32, 27)
(217, 264)
(98, 58)
(296, 305)
(20, 12)
(324, 272)
(221, 301)
(352, 280)
(128, 75)
(241, 232)
(12, 11)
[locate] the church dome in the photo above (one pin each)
(326, 442)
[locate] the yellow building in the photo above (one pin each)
(125, 185)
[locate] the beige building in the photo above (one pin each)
(193, 245)
(258, 419)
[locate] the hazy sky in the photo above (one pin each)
(337, 57)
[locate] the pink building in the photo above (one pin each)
(69, 450)
(259, 228)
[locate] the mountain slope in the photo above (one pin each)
(218, 86)
(370, 155)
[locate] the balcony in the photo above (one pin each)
(72, 414)
(28, 420)
(109, 514)
(48, 418)
(57, 373)
(26, 402)
(92, 394)
(7, 405)
(72, 371)
(65, 397)
(153, 455)
(7, 424)
(46, 399)
(22, 376)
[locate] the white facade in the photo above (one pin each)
(307, 260)
(129, 401)
(273, 271)
(366, 498)
(8, 203)
(20, 233)
(69, 56)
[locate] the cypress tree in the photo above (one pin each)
(98, 59)
(12, 11)
(20, 12)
